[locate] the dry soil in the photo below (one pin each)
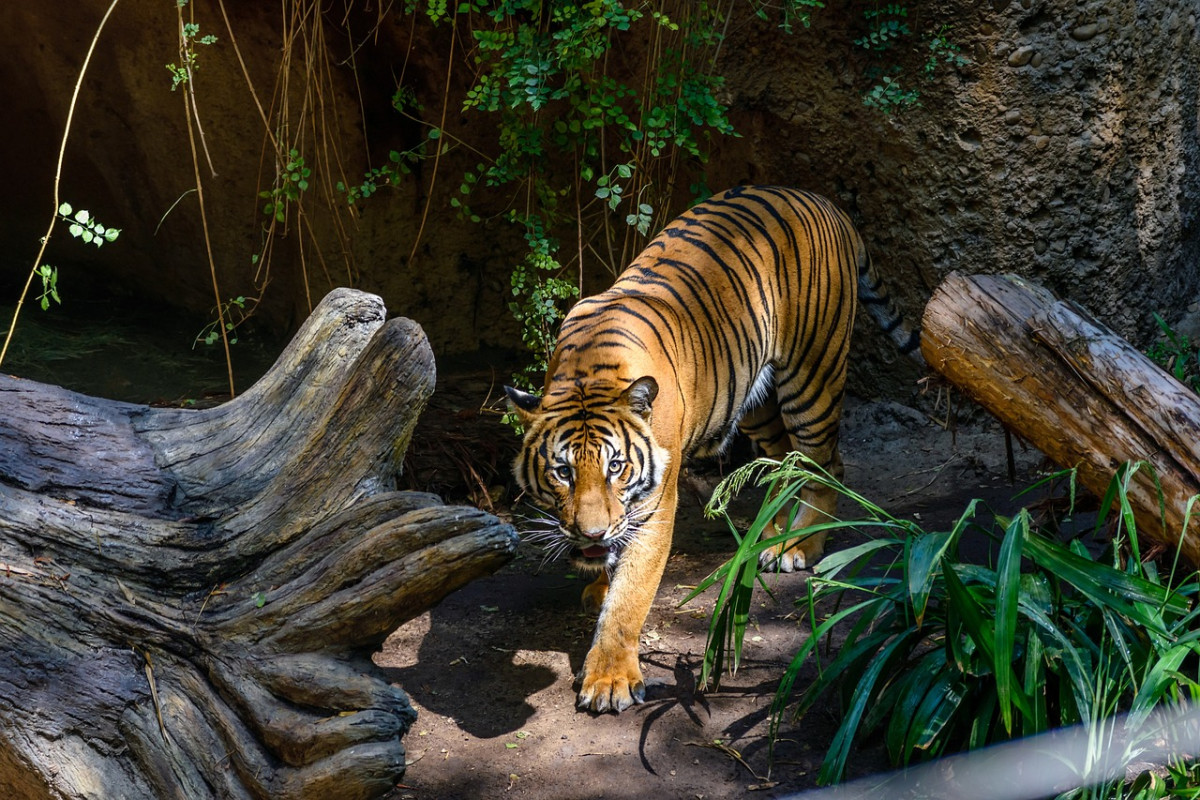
(490, 669)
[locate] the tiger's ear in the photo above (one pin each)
(523, 404)
(640, 395)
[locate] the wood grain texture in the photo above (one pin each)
(189, 598)
(1074, 389)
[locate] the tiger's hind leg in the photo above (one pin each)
(768, 428)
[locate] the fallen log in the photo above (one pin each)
(1074, 389)
(189, 599)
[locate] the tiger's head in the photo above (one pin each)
(590, 458)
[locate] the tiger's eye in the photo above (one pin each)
(615, 466)
(563, 473)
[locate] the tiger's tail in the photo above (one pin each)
(873, 294)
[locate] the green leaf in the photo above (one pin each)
(1073, 660)
(1105, 585)
(901, 701)
(1163, 675)
(1008, 585)
(65, 209)
(983, 634)
(935, 711)
(834, 765)
(924, 557)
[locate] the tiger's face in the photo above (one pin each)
(590, 458)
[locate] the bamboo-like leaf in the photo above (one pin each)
(900, 702)
(1008, 585)
(1035, 687)
(825, 677)
(969, 610)
(1103, 584)
(923, 562)
(833, 563)
(983, 634)
(1163, 675)
(834, 765)
(937, 708)
(980, 732)
(1079, 675)
(1035, 594)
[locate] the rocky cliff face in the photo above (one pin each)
(1067, 150)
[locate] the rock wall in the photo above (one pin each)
(1066, 151)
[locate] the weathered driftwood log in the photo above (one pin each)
(189, 599)
(1077, 391)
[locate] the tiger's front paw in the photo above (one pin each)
(611, 681)
(793, 555)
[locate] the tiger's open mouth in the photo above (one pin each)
(596, 551)
(596, 556)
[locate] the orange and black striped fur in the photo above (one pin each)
(738, 314)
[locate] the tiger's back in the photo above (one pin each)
(738, 314)
(752, 281)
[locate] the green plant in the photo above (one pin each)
(189, 36)
(48, 274)
(539, 295)
(889, 96)
(290, 183)
(81, 225)
(790, 12)
(211, 333)
(943, 50)
(1176, 353)
(941, 653)
(576, 128)
(1182, 780)
(886, 26)
(887, 30)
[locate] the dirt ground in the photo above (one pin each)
(490, 669)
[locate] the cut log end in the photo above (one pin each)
(1074, 389)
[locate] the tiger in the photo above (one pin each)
(736, 316)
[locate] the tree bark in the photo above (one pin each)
(1081, 394)
(189, 599)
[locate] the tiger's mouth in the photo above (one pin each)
(596, 551)
(596, 556)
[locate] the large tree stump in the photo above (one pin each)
(189, 599)
(1073, 388)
